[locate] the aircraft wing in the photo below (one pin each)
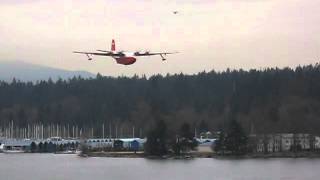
(153, 54)
(99, 54)
(104, 51)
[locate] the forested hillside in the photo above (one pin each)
(31, 72)
(270, 100)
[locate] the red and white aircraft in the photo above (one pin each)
(122, 57)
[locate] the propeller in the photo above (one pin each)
(146, 52)
(136, 53)
(121, 53)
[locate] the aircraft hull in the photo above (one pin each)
(126, 60)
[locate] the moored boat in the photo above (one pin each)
(13, 150)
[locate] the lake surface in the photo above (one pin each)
(72, 167)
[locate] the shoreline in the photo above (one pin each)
(202, 155)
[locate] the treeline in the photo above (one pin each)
(263, 101)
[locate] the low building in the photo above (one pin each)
(133, 144)
(99, 143)
(59, 141)
(205, 144)
(282, 142)
(317, 143)
(16, 145)
(268, 143)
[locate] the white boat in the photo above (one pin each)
(16, 145)
(1, 148)
(13, 150)
(66, 152)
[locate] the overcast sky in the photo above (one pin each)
(209, 34)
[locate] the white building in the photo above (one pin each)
(269, 143)
(109, 143)
(283, 142)
(205, 144)
(15, 145)
(317, 143)
(99, 143)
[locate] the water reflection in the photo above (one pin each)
(72, 167)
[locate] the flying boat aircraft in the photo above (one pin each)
(123, 57)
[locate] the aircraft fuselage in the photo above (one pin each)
(125, 60)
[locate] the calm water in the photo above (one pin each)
(72, 167)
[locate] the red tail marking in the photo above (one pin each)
(113, 45)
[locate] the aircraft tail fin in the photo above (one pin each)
(113, 45)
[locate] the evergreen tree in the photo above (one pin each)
(271, 100)
(185, 131)
(219, 144)
(40, 147)
(157, 140)
(185, 141)
(45, 147)
(236, 139)
(33, 147)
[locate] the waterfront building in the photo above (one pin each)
(317, 143)
(283, 142)
(132, 144)
(205, 144)
(16, 145)
(99, 143)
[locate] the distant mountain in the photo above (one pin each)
(30, 72)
